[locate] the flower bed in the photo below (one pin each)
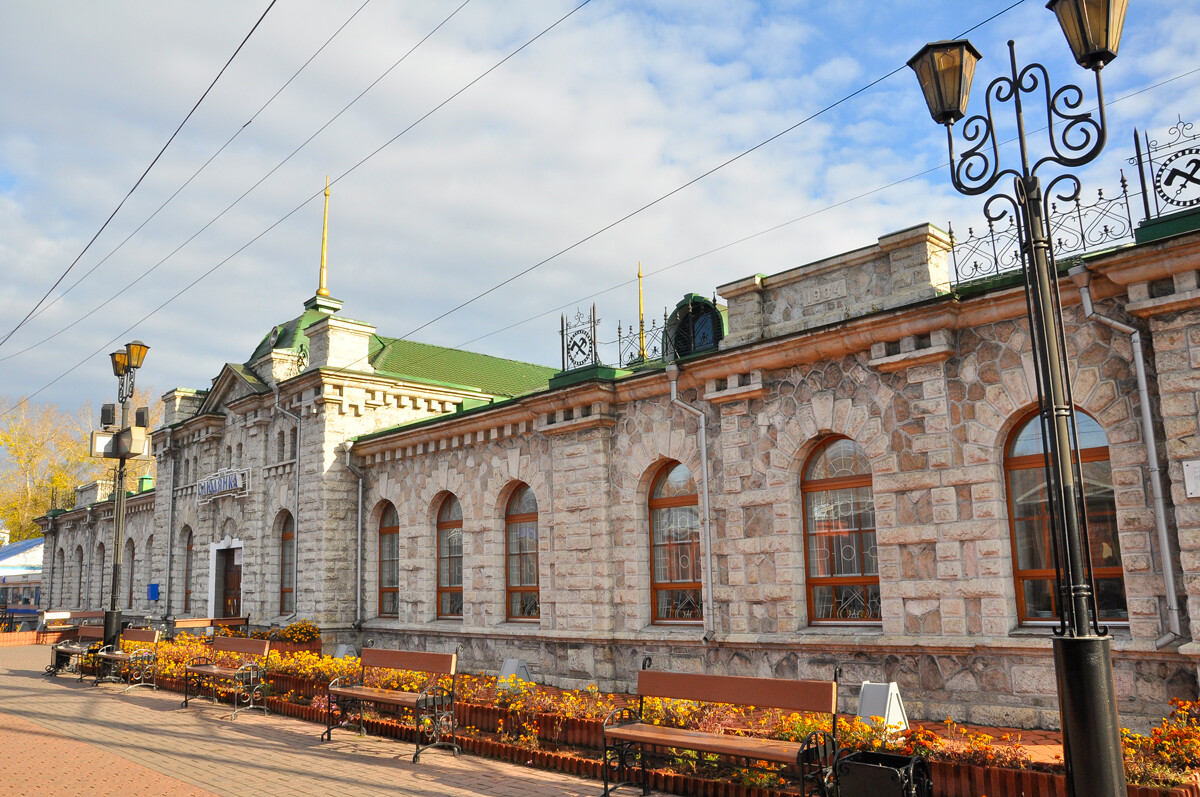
(563, 730)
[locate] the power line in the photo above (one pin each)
(294, 210)
(536, 265)
(247, 192)
(196, 174)
(611, 288)
(688, 184)
(140, 179)
(768, 230)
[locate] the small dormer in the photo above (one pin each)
(696, 325)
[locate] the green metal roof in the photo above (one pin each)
(420, 362)
(291, 334)
(407, 359)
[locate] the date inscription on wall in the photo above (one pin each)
(819, 294)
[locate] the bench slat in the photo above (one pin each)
(209, 622)
(139, 635)
(819, 696)
(217, 670)
(774, 750)
(244, 645)
(438, 663)
(372, 695)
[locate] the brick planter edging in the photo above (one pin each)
(949, 779)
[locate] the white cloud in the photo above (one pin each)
(622, 103)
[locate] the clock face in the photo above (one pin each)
(273, 338)
(1178, 179)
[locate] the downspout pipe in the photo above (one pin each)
(91, 537)
(705, 522)
(170, 524)
(1082, 278)
(358, 558)
(295, 513)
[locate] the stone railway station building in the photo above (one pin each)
(840, 464)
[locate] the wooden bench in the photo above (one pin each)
(71, 655)
(432, 706)
(134, 669)
(188, 623)
(629, 740)
(64, 620)
(244, 674)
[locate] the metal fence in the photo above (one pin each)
(1168, 179)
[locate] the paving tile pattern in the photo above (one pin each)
(63, 737)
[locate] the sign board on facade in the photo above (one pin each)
(223, 483)
(1191, 478)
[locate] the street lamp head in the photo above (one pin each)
(1093, 28)
(945, 70)
(120, 362)
(137, 353)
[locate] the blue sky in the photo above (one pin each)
(617, 106)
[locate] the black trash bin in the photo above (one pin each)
(865, 773)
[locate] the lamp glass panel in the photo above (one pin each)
(136, 351)
(1116, 24)
(1092, 27)
(969, 60)
(945, 70)
(119, 362)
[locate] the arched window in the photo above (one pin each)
(839, 534)
(287, 563)
(98, 569)
(675, 591)
(60, 577)
(389, 562)
(450, 559)
(188, 553)
(521, 554)
(280, 451)
(695, 325)
(229, 456)
(79, 576)
(148, 555)
(130, 568)
(1033, 552)
(237, 460)
(293, 440)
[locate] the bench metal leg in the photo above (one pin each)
(345, 705)
(620, 761)
(141, 670)
(248, 692)
(435, 724)
(59, 661)
(187, 688)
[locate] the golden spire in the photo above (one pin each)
(641, 317)
(322, 290)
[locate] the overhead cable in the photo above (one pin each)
(139, 180)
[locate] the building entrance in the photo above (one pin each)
(229, 581)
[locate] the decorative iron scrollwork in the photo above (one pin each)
(579, 340)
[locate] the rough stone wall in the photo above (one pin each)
(935, 432)
(1176, 341)
(903, 268)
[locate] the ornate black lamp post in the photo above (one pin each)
(124, 363)
(1082, 649)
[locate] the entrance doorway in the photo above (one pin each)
(229, 581)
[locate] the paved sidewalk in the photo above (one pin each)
(63, 737)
